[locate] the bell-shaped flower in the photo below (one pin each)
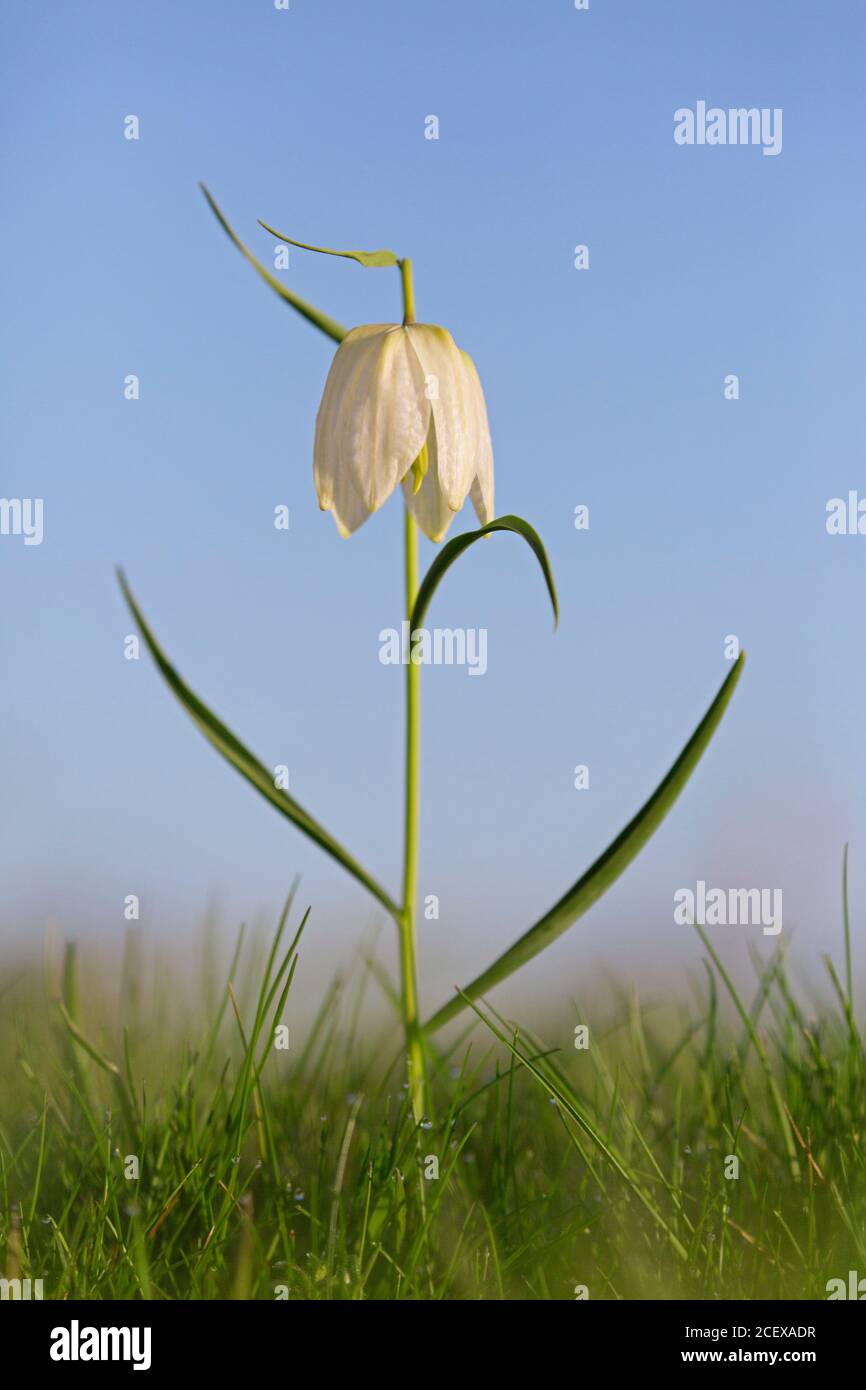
(403, 404)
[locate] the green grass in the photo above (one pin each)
(263, 1169)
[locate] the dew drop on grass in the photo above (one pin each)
(426, 1124)
(46, 1221)
(299, 1194)
(236, 1158)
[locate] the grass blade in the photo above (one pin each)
(566, 1104)
(847, 925)
(748, 1024)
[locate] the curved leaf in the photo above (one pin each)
(454, 548)
(607, 868)
(371, 259)
(308, 311)
(243, 760)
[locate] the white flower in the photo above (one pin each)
(403, 404)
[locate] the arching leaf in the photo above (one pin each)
(246, 764)
(308, 311)
(371, 259)
(607, 868)
(455, 548)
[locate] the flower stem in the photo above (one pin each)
(414, 1042)
(408, 291)
(407, 924)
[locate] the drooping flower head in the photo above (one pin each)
(403, 404)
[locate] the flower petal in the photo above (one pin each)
(347, 508)
(454, 400)
(325, 451)
(374, 416)
(428, 505)
(481, 491)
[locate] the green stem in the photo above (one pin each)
(408, 291)
(414, 1044)
(407, 923)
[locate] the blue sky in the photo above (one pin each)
(604, 387)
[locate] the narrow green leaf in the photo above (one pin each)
(240, 758)
(454, 548)
(552, 1081)
(754, 1036)
(607, 868)
(308, 311)
(98, 1057)
(371, 259)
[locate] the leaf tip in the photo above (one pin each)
(737, 668)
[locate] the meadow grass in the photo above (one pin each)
(301, 1173)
